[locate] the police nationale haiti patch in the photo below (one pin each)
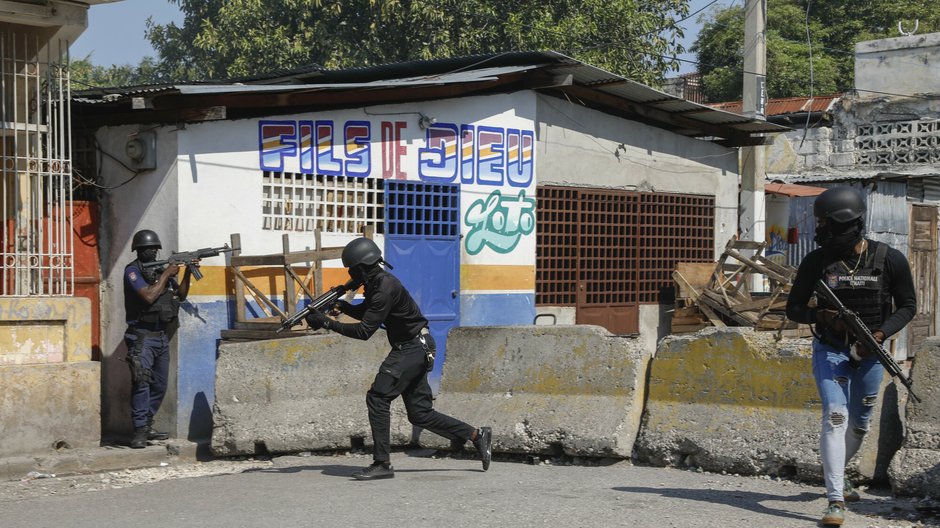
(132, 276)
(832, 280)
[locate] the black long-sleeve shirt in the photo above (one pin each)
(387, 303)
(899, 283)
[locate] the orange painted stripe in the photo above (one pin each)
(220, 281)
(496, 277)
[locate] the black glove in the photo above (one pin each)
(317, 320)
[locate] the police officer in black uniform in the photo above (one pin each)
(872, 279)
(151, 302)
(404, 371)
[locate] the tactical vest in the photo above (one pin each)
(861, 289)
(163, 310)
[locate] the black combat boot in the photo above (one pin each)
(140, 438)
(153, 434)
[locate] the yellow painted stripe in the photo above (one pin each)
(220, 281)
(492, 277)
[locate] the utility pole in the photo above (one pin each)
(752, 211)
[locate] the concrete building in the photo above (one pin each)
(883, 138)
(501, 187)
(51, 386)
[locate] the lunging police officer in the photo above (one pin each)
(404, 371)
(873, 280)
(151, 301)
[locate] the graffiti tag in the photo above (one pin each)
(499, 222)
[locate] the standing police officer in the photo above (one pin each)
(151, 302)
(872, 279)
(404, 371)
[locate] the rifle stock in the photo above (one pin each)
(321, 302)
(863, 336)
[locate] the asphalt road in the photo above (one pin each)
(427, 491)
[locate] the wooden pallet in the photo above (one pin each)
(725, 297)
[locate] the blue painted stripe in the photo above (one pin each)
(497, 309)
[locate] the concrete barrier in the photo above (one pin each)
(545, 389)
(915, 469)
(49, 407)
(736, 400)
(298, 394)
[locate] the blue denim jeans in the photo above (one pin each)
(849, 395)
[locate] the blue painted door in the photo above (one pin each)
(422, 242)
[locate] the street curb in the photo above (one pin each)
(100, 459)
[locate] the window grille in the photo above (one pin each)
(35, 170)
(673, 228)
(621, 246)
(334, 204)
(422, 209)
(556, 236)
(607, 248)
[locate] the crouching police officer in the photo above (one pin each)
(151, 302)
(404, 371)
(873, 280)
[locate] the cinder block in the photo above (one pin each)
(842, 159)
(546, 389)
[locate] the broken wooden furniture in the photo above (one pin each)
(303, 275)
(720, 294)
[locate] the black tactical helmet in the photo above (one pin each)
(145, 238)
(840, 205)
(361, 251)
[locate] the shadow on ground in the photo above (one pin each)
(740, 499)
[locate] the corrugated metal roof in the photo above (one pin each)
(857, 174)
(683, 116)
(792, 189)
(786, 105)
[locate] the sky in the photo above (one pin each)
(115, 33)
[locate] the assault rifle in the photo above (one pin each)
(863, 336)
(189, 258)
(320, 303)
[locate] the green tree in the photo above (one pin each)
(84, 74)
(834, 27)
(223, 39)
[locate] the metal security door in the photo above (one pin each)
(422, 242)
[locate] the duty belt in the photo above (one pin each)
(421, 333)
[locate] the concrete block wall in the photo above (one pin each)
(51, 388)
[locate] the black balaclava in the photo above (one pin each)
(147, 254)
(839, 240)
(364, 273)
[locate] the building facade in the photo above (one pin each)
(499, 189)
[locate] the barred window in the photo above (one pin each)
(335, 204)
(616, 248)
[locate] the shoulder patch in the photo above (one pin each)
(132, 276)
